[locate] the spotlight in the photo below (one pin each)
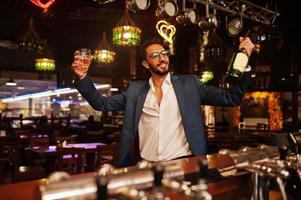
(135, 5)
(210, 21)
(207, 23)
(187, 16)
(235, 26)
(168, 8)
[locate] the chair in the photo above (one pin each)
(2, 168)
(106, 154)
(22, 171)
(70, 160)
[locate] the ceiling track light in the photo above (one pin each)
(210, 21)
(187, 15)
(136, 5)
(167, 8)
(253, 11)
(235, 26)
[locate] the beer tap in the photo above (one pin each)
(294, 144)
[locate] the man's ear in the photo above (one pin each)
(145, 64)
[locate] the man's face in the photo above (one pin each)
(157, 60)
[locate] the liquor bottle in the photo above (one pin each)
(237, 66)
(201, 192)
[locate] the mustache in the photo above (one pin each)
(162, 62)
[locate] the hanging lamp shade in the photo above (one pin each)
(126, 33)
(45, 64)
(104, 52)
(31, 42)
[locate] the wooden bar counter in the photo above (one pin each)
(230, 187)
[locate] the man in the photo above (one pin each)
(165, 111)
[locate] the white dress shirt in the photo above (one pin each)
(161, 131)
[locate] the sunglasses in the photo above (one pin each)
(156, 55)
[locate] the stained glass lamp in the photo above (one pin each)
(104, 52)
(126, 33)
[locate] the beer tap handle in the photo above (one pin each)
(283, 150)
(293, 142)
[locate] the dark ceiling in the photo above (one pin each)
(72, 24)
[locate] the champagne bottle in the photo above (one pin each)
(237, 66)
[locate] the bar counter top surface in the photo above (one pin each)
(232, 187)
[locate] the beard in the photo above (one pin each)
(156, 69)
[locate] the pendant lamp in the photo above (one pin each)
(104, 52)
(126, 33)
(31, 42)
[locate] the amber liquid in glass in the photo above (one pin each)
(85, 62)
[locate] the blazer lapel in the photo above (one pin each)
(179, 90)
(140, 102)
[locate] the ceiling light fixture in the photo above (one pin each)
(126, 33)
(210, 21)
(187, 15)
(135, 5)
(45, 64)
(31, 42)
(104, 52)
(235, 26)
(167, 8)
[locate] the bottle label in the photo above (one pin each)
(240, 62)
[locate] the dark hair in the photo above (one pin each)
(147, 43)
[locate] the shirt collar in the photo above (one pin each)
(166, 81)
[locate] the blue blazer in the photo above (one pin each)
(191, 95)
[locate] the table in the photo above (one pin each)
(50, 153)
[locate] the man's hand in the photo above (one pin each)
(246, 43)
(78, 66)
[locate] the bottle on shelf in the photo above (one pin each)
(237, 65)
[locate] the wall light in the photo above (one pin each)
(135, 5)
(168, 8)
